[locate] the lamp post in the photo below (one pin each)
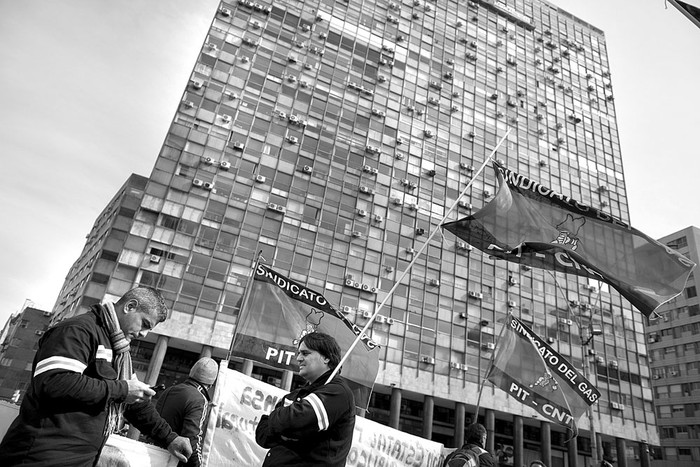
(592, 332)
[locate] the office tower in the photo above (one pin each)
(333, 136)
(674, 346)
(99, 264)
(17, 348)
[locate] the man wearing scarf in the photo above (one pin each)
(82, 386)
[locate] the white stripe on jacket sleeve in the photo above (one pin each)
(319, 410)
(59, 363)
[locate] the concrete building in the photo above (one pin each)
(98, 265)
(18, 344)
(674, 350)
(332, 136)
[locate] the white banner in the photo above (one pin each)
(124, 451)
(240, 401)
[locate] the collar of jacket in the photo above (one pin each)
(203, 389)
(96, 310)
(321, 380)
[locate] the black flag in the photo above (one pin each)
(691, 12)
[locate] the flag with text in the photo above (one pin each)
(533, 373)
(279, 312)
(531, 224)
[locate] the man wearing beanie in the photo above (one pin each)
(185, 406)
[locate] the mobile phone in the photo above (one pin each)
(158, 388)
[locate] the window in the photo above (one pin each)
(678, 243)
(109, 255)
(98, 278)
(169, 222)
(198, 265)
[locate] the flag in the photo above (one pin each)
(689, 11)
(531, 224)
(280, 312)
(537, 376)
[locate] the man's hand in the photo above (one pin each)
(138, 391)
(180, 448)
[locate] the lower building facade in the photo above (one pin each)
(433, 409)
(674, 357)
(18, 344)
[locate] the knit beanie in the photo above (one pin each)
(204, 371)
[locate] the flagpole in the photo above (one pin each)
(244, 302)
(415, 257)
(491, 365)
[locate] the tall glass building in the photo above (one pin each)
(674, 346)
(333, 136)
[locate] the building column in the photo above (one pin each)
(518, 436)
(573, 452)
(644, 456)
(546, 443)
(428, 414)
(490, 422)
(621, 450)
(206, 351)
(156, 362)
(247, 367)
(287, 376)
(395, 408)
(154, 367)
(460, 411)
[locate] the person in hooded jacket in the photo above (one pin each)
(475, 443)
(185, 406)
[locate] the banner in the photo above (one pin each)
(122, 451)
(531, 224)
(536, 375)
(280, 312)
(239, 402)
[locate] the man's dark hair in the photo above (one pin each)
(324, 344)
(149, 299)
(474, 434)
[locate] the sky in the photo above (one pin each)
(88, 90)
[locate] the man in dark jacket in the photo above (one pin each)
(475, 443)
(185, 406)
(82, 385)
(313, 425)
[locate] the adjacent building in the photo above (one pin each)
(18, 344)
(333, 136)
(674, 358)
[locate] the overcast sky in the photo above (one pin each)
(88, 89)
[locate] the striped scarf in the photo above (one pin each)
(121, 362)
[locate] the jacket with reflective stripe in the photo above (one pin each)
(64, 412)
(311, 426)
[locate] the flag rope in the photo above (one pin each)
(415, 257)
(578, 320)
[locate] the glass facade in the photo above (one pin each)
(334, 136)
(674, 346)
